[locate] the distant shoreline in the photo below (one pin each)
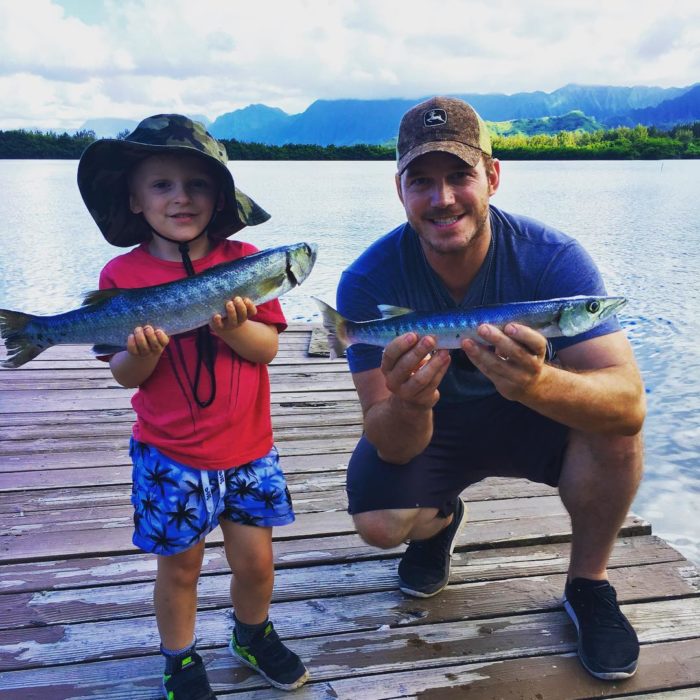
(622, 143)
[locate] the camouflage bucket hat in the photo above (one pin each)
(105, 164)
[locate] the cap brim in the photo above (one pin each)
(471, 156)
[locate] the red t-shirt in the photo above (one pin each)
(236, 427)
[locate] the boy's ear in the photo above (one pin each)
(134, 205)
(219, 204)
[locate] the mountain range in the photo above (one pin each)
(349, 122)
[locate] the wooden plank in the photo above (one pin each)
(367, 612)
(69, 400)
(11, 467)
(104, 381)
(354, 659)
(377, 573)
(114, 535)
(135, 599)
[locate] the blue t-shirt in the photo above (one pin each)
(527, 260)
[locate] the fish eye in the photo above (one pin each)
(593, 307)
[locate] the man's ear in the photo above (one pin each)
(397, 180)
(494, 176)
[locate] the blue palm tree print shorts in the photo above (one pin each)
(175, 506)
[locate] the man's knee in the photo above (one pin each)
(380, 528)
(621, 455)
(611, 451)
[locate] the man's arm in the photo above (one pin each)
(597, 388)
(398, 398)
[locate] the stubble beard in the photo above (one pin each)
(480, 228)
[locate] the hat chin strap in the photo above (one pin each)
(206, 354)
(184, 247)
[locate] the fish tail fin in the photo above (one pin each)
(336, 329)
(21, 347)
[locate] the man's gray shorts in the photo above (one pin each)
(471, 441)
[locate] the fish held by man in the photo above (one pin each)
(565, 316)
(107, 317)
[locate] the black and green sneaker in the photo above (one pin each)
(189, 681)
(267, 655)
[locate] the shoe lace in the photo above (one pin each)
(270, 647)
(601, 603)
(425, 552)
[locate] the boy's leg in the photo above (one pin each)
(175, 602)
(257, 499)
(161, 488)
(254, 639)
(249, 554)
(175, 596)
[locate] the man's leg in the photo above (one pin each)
(599, 479)
(424, 569)
(389, 528)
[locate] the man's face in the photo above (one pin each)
(175, 193)
(447, 201)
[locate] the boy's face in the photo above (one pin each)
(176, 194)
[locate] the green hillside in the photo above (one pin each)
(572, 121)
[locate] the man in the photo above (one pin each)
(568, 413)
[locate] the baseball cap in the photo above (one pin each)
(442, 124)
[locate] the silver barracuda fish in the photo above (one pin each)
(107, 317)
(567, 316)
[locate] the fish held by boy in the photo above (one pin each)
(565, 316)
(108, 316)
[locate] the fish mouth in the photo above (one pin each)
(300, 261)
(612, 307)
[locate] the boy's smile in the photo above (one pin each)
(177, 195)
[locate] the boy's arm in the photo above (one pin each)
(252, 340)
(135, 365)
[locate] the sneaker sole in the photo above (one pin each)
(422, 594)
(282, 686)
(602, 675)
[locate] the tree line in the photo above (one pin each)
(622, 143)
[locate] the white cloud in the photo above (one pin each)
(136, 57)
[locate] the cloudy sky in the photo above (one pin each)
(64, 61)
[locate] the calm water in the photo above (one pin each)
(639, 220)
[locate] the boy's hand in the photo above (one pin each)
(238, 311)
(146, 341)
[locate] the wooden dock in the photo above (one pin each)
(76, 618)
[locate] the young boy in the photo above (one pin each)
(202, 446)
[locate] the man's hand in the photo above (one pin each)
(413, 370)
(238, 311)
(147, 341)
(513, 359)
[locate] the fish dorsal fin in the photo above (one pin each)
(389, 311)
(100, 295)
